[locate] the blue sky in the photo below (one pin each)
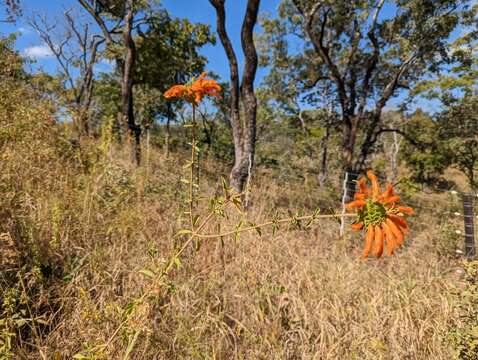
(196, 10)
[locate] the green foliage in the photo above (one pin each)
(457, 131)
(429, 160)
(464, 334)
(462, 76)
(167, 53)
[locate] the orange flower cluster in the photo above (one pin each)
(194, 91)
(380, 215)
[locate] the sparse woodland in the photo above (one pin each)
(306, 201)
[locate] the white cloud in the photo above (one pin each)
(24, 31)
(38, 52)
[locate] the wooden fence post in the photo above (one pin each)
(470, 250)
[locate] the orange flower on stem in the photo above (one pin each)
(194, 91)
(380, 216)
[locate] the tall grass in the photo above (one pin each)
(79, 227)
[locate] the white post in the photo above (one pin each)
(344, 199)
(249, 174)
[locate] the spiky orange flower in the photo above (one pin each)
(379, 214)
(194, 91)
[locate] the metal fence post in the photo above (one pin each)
(350, 186)
(347, 196)
(470, 250)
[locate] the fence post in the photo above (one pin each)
(347, 196)
(470, 250)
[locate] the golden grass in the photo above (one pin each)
(295, 295)
(86, 223)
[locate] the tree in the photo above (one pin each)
(461, 78)
(12, 10)
(75, 48)
(424, 154)
(458, 131)
(123, 50)
(244, 132)
(368, 58)
(167, 54)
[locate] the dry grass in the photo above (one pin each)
(85, 224)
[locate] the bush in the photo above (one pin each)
(464, 334)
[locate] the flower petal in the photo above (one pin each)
(369, 240)
(388, 191)
(396, 231)
(391, 199)
(357, 226)
(390, 238)
(378, 243)
(400, 221)
(355, 203)
(405, 209)
(375, 184)
(361, 183)
(360, 196)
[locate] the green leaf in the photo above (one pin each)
(147, 272)
(183, 232)
(195, 219)
(79, 356)
(131, 345)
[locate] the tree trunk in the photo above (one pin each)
(168, 136)
(348, 142)
(127, 111)
(88, 86)
(323, 163)
(244, 135)
(244, 163)
(148, 147)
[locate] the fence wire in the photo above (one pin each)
(460, 211)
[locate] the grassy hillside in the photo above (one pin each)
(82, 232)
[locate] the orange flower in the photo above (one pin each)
(380, 216)
(194, 92)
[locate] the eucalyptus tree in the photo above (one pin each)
(243, 130)
(369, 51)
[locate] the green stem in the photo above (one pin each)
(272, 222)
(191, 172)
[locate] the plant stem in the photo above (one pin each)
(191, 172)
(272, 222)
